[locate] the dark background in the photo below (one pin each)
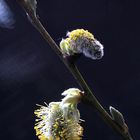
(30, 72)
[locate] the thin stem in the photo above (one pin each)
(89, 97)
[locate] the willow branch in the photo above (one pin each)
(88, 96)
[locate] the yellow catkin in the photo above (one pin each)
(56, 121)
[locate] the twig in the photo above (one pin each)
(88, 96)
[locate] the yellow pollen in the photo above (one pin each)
(80, 33)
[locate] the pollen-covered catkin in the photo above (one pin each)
(81, 41)
(60, 120)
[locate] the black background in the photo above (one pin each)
(30, 72)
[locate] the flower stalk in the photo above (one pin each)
(88, 96)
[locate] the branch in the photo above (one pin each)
(88, 96)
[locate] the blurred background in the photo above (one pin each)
(31, 73)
